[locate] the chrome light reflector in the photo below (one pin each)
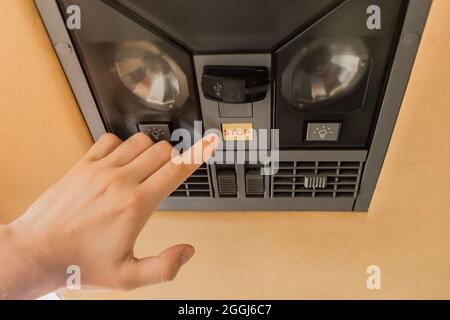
(323, 71)
(152, 75)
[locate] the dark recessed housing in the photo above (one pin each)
(330, 75)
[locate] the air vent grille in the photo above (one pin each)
(226, 179)
(254, 184)
(317, 179)
(197, 185)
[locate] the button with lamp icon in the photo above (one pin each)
(157, 132)
(323, 131)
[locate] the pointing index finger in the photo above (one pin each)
(167, 179)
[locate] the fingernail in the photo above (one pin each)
(186, 255)
(211, 138)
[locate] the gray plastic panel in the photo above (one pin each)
(210, 109)
(268, 203)
(404, 60)
(412, 31)
(258, 204)
(64, 48)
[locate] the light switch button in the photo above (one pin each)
(157, 132)
(323, 131)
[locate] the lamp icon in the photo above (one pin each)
(323, 131)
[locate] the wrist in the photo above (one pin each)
(26, 269)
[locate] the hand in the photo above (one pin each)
(92, 218)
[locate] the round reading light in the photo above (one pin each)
(323, 71)
(152, 75)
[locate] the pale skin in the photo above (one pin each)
(92, 217)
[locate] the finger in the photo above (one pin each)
(150, 161)
(103, 147)
(130, 149)
(166, 180)
(153, 270)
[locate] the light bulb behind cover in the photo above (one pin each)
(324, 71)
(152, 75)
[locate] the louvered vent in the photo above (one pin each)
(197, 185)
(317, 179)
(226, 179)
(254, 183)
